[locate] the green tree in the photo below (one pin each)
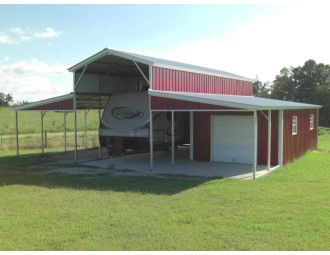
(5, 100)
(261, 89)
(309, 83)
(284, 86)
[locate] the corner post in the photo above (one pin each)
(255, 136)
(42, 114)
(269, 139)
(16, 133)
(173, 145)
(280, 137)
(151, 143)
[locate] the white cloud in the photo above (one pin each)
(5, 39)
(23, 35)
(264, 47)
(31, 67)
(49, 33)
(17, 35)
(34, 80)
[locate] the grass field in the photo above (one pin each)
(30, 123)
(289, 209)
(30, 129)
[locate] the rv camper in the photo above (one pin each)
(125, 125)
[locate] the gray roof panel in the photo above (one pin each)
(243, 102)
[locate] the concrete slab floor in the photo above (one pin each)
(139, 164)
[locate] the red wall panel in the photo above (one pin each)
(263, 138)
(62, 105)
(202, 133)
(202, 136)
(183, 81)
(160, 103)
(296, 145)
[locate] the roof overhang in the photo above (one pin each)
(65, 103)
(101, 61)
(243, 102)
(56, 103)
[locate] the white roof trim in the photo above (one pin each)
(157, 62)
(243, 102)
(106, 52)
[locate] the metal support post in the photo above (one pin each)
(85, 124)
(16, 133)
(75, 125)
(100, 151)
(191, 136)
(255, 151)
(65, 142)
(42, 114)
(280, 137)
(269, 139)
(151, 143)
(173, 144)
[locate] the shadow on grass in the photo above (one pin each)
(17, 172)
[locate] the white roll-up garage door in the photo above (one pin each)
(232, 139)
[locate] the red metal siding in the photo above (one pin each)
(202, 136)
(183, 81)
(160, 103)
(296, 145)
(57, 106)
(263, 139)
(202, 133)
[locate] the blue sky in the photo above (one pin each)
(39, 42)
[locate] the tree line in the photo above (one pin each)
(309, 83)
(5, 100)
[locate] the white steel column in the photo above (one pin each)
(75, 125)
(16, 132)
(269, 139)
(75, 84)
(65, 145)
(173, 145)
(280, 137)
(100, 151)
(151, 143)
(255, 149)
(191, 124)
(85, 127)
(42, 114)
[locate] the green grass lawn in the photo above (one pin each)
(289, 209)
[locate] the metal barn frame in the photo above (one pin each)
(109, 71)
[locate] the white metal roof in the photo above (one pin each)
(158, 62)
(243, 102)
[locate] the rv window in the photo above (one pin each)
(169, 116)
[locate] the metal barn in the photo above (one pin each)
(227, 123)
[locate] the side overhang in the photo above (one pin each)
(259, 106)
(64, 103)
